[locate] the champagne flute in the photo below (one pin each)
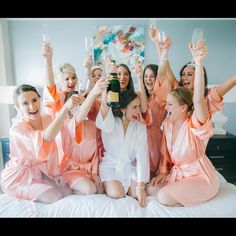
(83, 87)
(46, 36)
(152, 23)
(196, 37)
(161, 38)
(88, 45)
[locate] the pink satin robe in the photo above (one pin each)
(192, 178)
(31, 159)
(214, 101)
(157, 104)
(78, 145)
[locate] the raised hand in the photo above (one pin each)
(74, 101)
(47, 51)
(100, 86)
(199, 51)
(153, 33)
(88, 62)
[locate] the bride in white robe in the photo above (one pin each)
(125, 166)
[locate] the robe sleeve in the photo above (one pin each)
(202, 131)
(215, 102)
(94, 111)
(142, 155)
(161, 91)
(51, 100)
(27, 136)
(146, 117)
(108, 124)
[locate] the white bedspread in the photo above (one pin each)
(99, 205)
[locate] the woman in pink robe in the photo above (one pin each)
(78, 140)
(33, 172)
(157, 86)
(186, 176)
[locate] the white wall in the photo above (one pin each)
(67, 38)
(6, 110)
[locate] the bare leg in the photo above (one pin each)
(166, 199)
(114, 189)
(50, 196)
(66, 191)
(84, 187)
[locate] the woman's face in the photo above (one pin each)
(69, 82)
(29, 105)
(149, 79)
(123, 76)
(174, 109)
(133, 110)
(97, 74)
(187, 77)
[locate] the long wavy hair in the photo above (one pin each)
(154, 69)
(205, 77)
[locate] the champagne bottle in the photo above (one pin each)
(113, 91)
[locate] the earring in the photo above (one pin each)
(124, 113)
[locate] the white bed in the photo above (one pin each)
(223, 205)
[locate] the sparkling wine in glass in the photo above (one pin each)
(196, 37)
(46, 35)
(84, 87)
(161, 38)
(88, 45)
(152, 23)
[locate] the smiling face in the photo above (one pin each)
(187, 77)
(96, 75)
(173, 107)
(149, 79)
(179, 103)
(133, 110)
(29, 104)
(123, 76)
(69, 82)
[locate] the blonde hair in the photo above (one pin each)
(66, 67)
(96, 68)
(184, 96)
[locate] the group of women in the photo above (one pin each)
(154, 144)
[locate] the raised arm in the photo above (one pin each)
(223, 88)
(54, 128)
(47, 55)
(199, 100)
(163, 54)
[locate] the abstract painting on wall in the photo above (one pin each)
(124, 44)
